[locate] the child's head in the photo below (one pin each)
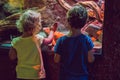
(77, 17)
(29, 21)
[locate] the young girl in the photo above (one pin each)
(74, 49)
(23, 47)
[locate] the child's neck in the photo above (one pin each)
(74, 32)
(26, 34)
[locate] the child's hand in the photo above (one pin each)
(54, 26)
(42, 74)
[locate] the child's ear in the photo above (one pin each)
(33, 30)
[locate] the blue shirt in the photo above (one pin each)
(73, 52)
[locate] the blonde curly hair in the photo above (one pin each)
(28, 21)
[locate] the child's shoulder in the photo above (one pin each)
(38, 36)
(16, 38)
(63, 37)
(84, 35)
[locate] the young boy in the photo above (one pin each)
(74, 50)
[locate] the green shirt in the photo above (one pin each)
(28, 57)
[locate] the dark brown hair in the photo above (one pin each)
(77, 16)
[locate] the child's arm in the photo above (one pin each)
(51, 35)
(49, 38)
(57, 58)
(91, 57)
(12, 53)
